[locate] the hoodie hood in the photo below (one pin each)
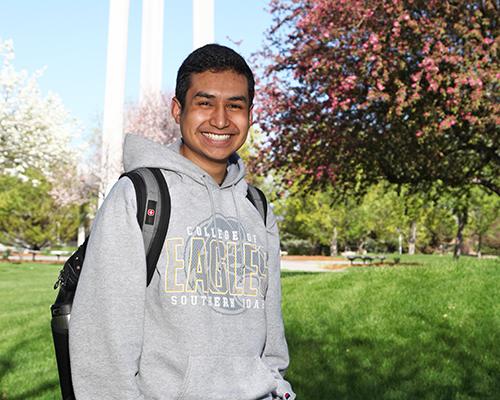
(141, 152)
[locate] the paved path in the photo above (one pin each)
(311, 265)
(39, 257)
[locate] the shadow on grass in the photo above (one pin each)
(35, 393)
(351, 369)
(475, 371)
(7, 365)
(358, 366)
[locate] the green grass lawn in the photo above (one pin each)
(27, 363)
(428, 331)
(408, 332)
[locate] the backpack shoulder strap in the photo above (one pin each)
(153, 212)
(258, 199)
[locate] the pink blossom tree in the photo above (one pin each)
(152, 118)
(355, 91)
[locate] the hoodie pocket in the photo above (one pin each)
(226, 378)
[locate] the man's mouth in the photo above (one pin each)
(216, 136)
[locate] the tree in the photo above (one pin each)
(35, 130)
(29, 217)
(386, 216)
(438, 227)
(35, 144)
(357, 91)
(307, 221)
(315, 221)
(484, 210)
(248, 152)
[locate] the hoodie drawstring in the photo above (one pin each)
(240, 225)
(214, 220)
(236, 205)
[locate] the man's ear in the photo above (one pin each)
(176, 110)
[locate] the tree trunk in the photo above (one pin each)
(413, 238)
(461, 216)
(361, 247)
(81, 235)
(81, 228)
(400, 242)
(479, 245)
(334, 250)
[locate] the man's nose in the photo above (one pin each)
(219, 117)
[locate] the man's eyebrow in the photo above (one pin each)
(204, 95)
(238, 98)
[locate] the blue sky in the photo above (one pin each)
(69, 38)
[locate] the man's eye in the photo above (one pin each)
(203, 103)
(235, 106)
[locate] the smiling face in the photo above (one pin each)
(215, 119)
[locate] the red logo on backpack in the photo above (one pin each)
(151, 212)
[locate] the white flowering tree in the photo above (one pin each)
(35, 149)
(35, 130)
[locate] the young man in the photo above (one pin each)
(209, 325)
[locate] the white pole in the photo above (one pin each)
(151, 48)
(203, 22)
(114, 96)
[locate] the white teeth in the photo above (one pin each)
(216, 137)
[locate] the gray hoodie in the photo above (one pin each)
(209, 326)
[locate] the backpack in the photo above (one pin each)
(153, 216)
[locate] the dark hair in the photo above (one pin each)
(214, 58)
